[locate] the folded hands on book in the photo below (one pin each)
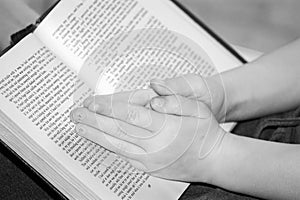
(170, 130)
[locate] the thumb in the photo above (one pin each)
(190, 85)
(182, 106)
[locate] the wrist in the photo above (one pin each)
(218, 102)
(235, 97)
(239, 162)
(210, 163)
(246, 165)
(227, 157)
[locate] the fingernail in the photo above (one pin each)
(88, 101)
(80, 130)
(72, 117)
(95, 107)
(78, 116)
(158, 102)
(157, 81)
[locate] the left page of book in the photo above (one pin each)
(38, 91)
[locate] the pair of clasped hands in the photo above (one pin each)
(170, 130)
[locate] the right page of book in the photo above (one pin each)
(120, 45)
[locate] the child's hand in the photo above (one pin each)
(207, 90)
(174, 147)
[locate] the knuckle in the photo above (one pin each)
(177, 107)
(108, 110)
(114, 109)
(191, 75)
(200, 86)
(97, 122)
(121, 147)
(80, 114)
(99, 99)
(120, 133)
(132, 115)
(174, 103)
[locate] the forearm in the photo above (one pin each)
(268, 85)
(259, 168)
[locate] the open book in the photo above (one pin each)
(90, 46)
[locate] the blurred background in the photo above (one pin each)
(262, 25)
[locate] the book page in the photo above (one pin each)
(38, 91)
(120, 45)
